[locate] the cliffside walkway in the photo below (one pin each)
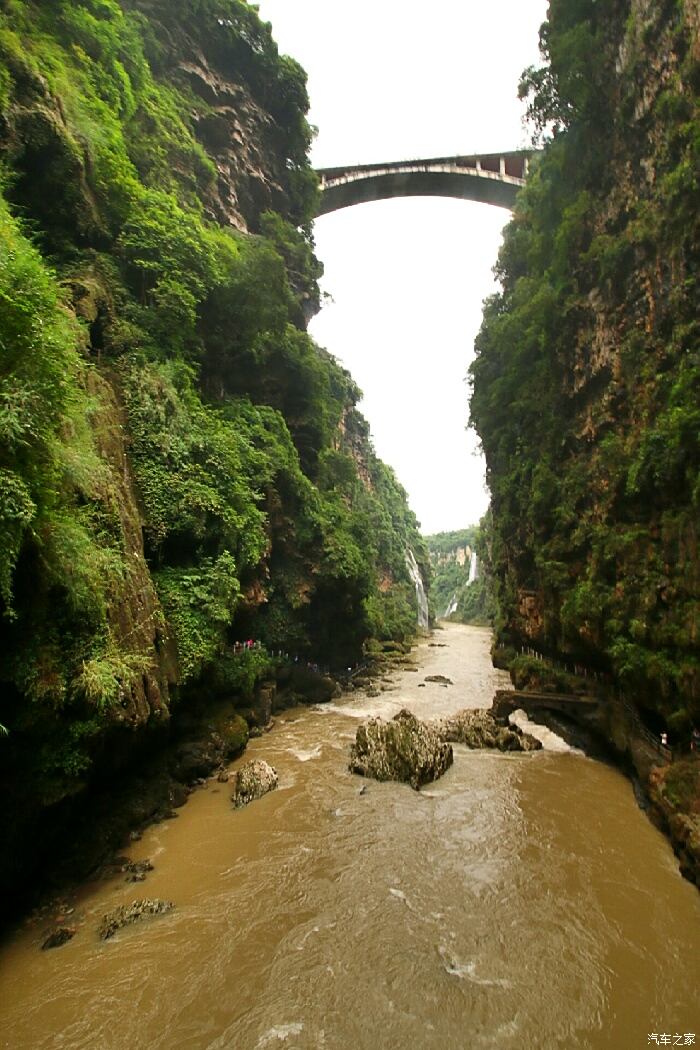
(576, 707)
(631, 712)
(490, 178)
(647, 736)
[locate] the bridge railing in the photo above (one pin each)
(354, 175)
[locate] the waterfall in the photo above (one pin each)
(473, 568)
(452, 606)
(421, 596)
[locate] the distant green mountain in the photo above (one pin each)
(460, 589)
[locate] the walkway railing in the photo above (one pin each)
(664, 750)
(294, 660)
(579, 670)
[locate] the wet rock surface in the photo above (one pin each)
(252, 781)
(300, 684)
(674, 794)
(477, 728)
(58, 937)
(403, 749)
(195, 759)
(127, 914)
(137, 870)
(137, 867)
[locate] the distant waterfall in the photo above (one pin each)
(473, 568)
(452, 606)
(421, 596)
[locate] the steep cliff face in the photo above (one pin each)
(180, 465)
(245, 104)
(587, 378)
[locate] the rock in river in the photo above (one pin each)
(126, 914)
(251, 781)
(478, 728)
(61, 935)
(404, 749)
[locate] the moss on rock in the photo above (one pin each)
(403, 749)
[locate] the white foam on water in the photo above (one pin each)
(399, 895)
(314, 929)
(549, 740)
(305, 755)
(466, 971)
(279, 1033)
(302, 944)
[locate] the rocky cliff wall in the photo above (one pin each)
(586, 382)
(175, 474)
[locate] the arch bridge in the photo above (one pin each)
(491, 178)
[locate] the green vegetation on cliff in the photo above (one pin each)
(586, 384)
(180, 465)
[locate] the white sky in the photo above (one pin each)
(396, 79)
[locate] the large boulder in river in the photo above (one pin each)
(252, 781)
(478, 728)
(404, 749)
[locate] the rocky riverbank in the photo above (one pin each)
(86, 835)
(92, 834)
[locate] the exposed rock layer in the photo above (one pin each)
(127, 914)
(479, 729)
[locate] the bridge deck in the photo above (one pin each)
(525, 698)
(513, 163)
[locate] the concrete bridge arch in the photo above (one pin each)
(490, 178)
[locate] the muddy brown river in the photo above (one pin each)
(522, 901)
